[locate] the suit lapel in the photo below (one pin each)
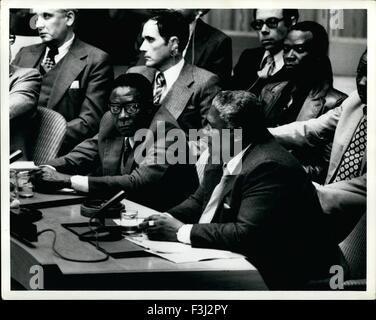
(177, 98)
(112, 155)
(72, 64)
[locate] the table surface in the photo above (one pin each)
(137, 273)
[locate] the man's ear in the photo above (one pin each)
(174, 42)
(71, 17)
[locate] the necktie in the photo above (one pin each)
(212, 205)
(352, 158)
(127, 159)
(267, 67)
(160, 83)
(49, 61)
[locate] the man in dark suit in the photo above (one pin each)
(184, 90)
(24, 87)
(208, 47)
(261, 203)
(343, 195)
(125, 155)
(262, 65)
(76, 76)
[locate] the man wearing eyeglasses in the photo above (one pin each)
(124, 155)
(264, 64)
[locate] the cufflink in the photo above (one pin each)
(151, 223)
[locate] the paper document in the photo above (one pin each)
(179, 252)
(23, 165)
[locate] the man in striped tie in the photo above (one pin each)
(258, 201)
(343, 196)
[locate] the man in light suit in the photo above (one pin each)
(344, 194)
(208, 47)
(122, 157)
(261, 203)
(76, 76)
(184, 90)
(24, 87)
(259, 66)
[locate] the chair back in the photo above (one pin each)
(52, 128)
(354, 250)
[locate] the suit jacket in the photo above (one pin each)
(150, 181)
(189, 99)
(269, 212)
(245, 72)
(344, 200)
(82, 107)
(210, 49)
(24, 86)
(312, 104)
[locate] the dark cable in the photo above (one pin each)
(71, 259)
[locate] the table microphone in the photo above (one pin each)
(14, 156)
(104, 233)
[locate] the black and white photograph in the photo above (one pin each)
(187, 153)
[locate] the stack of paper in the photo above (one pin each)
(179, 252)
(23, 165)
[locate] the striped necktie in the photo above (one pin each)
(160, 83)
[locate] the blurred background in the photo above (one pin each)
(116, 31)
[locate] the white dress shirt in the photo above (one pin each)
(170, 76)
(63, 50)
(233, 168)
(278, 63)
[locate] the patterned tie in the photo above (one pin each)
(49, 61)
(352, 158)
(267, 67)
(160, 83)
(212, 205)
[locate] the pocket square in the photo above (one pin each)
(75, 85)
(226, 206)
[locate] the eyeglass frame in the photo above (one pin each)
(124, 107)
(267, 22)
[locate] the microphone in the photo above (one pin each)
(116, 198)
(15, 156)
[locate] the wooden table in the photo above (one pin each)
(141, 273)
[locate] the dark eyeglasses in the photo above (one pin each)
(272, 23)
(298, 48)
(130, 108)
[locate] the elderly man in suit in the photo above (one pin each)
(259, 66)
(184, 90)
(124, 155)
(24, 87)
(260, 203)
(208, 47)
(343, 196)
(76, 76)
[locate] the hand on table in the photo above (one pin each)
(48, 179)
(161, 227)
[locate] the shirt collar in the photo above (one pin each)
(234, 165)
(278, 60)
(131, 141)
(172, 74)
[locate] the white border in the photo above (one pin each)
(189, 295)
